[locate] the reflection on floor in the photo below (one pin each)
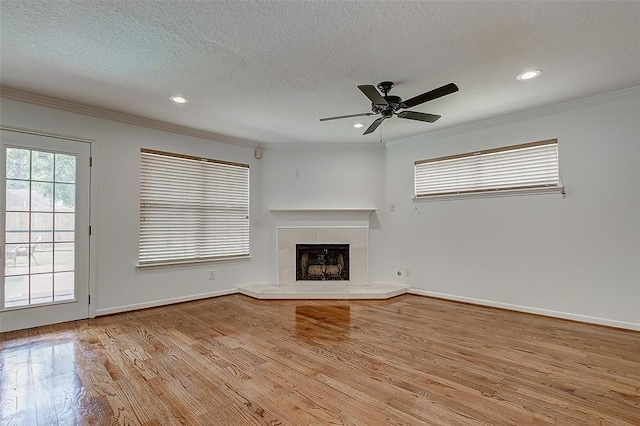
(41, 386)
(330, 322)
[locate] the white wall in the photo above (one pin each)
(307, 178)
(577, 257)
(117, 284)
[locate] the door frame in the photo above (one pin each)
(91, 273)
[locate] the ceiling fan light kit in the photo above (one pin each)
(386, 106)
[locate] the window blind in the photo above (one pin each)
(527, 166)
(192, 209)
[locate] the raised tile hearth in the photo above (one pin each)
(328, 290)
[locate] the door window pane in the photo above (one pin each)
(41, 288)
(17, 227)
(42, 223)
(65, 226)
(64, 286)
(18, 163)
(16, 291)
(17, 195)
(16, 262)
(65, 168)
(63, 257)
(42, 166)
(65, 195)
(42, 196)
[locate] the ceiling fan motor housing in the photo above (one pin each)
(385, 86)
(393, 104)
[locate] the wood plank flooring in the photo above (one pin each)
(233, 360)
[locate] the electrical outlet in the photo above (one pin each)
(393, 207)
(212, 274)
(408, 272)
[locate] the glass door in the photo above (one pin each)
(45, 238)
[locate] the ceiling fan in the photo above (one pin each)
(387, 105)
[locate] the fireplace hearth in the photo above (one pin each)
(322, 262)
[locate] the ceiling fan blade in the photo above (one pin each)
(420, 116)
(374, 126)
(447, 89)
(347, 116)
(372, 93)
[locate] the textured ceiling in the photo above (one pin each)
(266, 71)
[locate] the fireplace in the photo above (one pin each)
(322, 262)
(335, 256)
(342, 232)
(336, 265)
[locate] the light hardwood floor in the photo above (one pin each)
(234, 360)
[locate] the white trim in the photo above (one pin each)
(37, 305)
(93, 236)
(45, 134)
(163, 302)
(190, 262)
(325, 145)
(530, 310)
(492, 194)
(93, 194)
(93, 111)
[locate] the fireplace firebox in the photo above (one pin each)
(317, 262)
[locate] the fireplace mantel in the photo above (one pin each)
(323, 216)
(326, 210)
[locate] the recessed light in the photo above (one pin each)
(179, 99)
(358, 125)
(528, 75)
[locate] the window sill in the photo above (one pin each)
(189, 262)
(493, 194)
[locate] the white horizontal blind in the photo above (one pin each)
(191, 208)
(528, 166)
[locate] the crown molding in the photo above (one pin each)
(323, 145)
(45, 134)
(524, 115)
(93, 111)
(20, 95)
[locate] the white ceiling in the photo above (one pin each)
(266, 71)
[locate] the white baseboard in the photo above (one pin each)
(483, 302)
(530, 310)
(155, 303)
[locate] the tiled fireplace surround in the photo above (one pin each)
(322, 226)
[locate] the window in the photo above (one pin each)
(192, 209)
(531, 167)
